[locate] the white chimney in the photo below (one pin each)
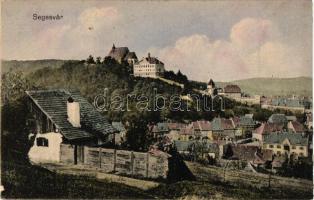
(73, 110)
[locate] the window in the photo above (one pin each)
(286, 147)
(42, 142)
(279, 146)
(301, 154)
(293, 147)
(301, 148)
(271, 146)
(278, 152)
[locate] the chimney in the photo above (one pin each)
(73, 111)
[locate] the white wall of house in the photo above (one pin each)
(46, 154)
(257, 136)
(145, 69)
(279, 149)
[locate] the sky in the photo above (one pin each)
(223, 40)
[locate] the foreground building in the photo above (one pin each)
(149, 67)
(62, 117)
(285, 143)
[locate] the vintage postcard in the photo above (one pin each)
(156, 99)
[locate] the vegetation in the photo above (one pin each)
(21, 179)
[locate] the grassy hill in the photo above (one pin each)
(274, 86)
(29, 66)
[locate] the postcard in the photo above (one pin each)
(156, 99)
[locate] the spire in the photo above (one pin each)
(148, 55)
(211, 82)
(113, 47)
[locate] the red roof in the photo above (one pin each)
(227, 123)
(202, 125)
(297, 126)
(174, 126)
(268, 128)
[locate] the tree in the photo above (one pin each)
(90, 60)
(98, 60)
(136, 136)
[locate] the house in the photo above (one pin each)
(187, 133)
(121, 135)
(309, 121)
(198, 148)
(244, 126)
(202, 130)
(149, 67)
(266, 129)
(295, 127)
(64, 122)
(233, 91)
(291, 118)
(121, 54)
(174, 130)
(160, 129)
(255, 155)
(278, 119)
(286, 143)
(223, 129)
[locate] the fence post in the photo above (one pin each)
(114, 159)
(147, 163)
(132, 163)
(99, 154)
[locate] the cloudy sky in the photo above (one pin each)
(225, 40)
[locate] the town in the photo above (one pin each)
(193, 126)
(66, 128)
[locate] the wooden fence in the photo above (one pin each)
(117, 161)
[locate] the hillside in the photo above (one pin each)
(274, 86)
(29, 66)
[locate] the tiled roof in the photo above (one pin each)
(246, 121)
(291, 118)
(118, 52)
(186, 131)
(232, 89)
(294, 139)
(266, 128)
(211, 82)
(297, 126)
(222, 124)
(151, 60)
(278, 119)
(53, 103)
(175, 126)
(251, 153)
(130, 55)
(160, 127)
(202, 125)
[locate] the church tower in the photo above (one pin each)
(211, 87)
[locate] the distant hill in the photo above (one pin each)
(28, 66)
(262, 86)
(274, 86)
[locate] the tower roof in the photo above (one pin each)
(211, 82)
